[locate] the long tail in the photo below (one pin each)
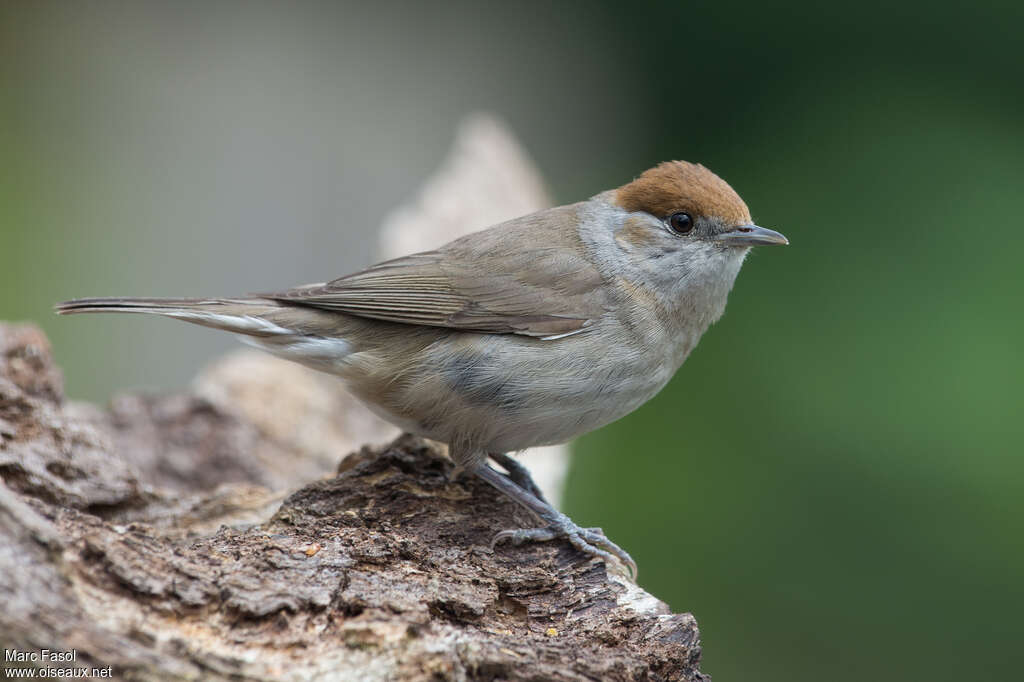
(312, 337)
(240, 315)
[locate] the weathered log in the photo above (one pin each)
(171, 537)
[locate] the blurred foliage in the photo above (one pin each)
(833, 482)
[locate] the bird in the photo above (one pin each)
(531, 332)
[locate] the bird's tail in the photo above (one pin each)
(241, 315)
(317, 338)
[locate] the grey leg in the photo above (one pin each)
(519, 474)
(588, 540)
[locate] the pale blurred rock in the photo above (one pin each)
(486, 179)
(308, 411)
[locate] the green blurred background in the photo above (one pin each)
(832, 483)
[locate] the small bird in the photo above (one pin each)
(531, 332)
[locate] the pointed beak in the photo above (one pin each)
(751, 235)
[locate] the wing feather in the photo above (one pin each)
(483, 282)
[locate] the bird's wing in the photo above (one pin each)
(529, 276)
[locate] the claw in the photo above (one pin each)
(587, 540)
(518, 536)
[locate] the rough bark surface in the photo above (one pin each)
(172, 537)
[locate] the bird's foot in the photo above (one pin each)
(587, 540)
(557, 525)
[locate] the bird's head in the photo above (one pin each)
(679, 231)
(682, 212)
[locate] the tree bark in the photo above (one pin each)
(176, 537)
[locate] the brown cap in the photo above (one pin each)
(675, 186)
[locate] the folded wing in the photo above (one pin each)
(528, 276)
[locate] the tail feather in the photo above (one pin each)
(243, 316)
(117, 304)
(308, 336)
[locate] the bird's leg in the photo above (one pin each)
(518, 473)
(587, 540)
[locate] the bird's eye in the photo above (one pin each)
(680, 223)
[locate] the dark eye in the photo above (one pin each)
(681, 223)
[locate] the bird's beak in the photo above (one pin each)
(751, 235)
